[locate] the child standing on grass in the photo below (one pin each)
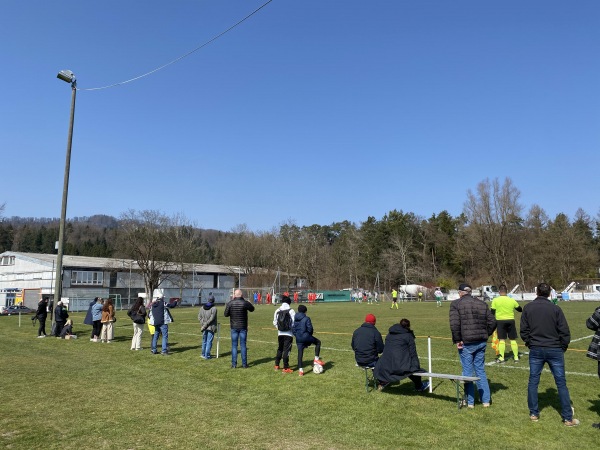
(283, 319)
(303, 332)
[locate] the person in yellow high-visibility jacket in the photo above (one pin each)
(394, 298)
(504, 309)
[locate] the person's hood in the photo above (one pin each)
(368, 325)
(397, 329)
(207, 306)
(299, 316)
(284, 306)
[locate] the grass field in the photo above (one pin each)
(79, 394)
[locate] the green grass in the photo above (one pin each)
(79, 394)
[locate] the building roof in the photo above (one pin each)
(90, 262)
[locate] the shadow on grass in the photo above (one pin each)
(497, 387)
(174, 349)
(408, 389)
(595, 405)
(549, 399)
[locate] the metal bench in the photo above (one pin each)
(458, 381)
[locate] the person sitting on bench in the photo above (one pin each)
(367, 343)
(399, 359)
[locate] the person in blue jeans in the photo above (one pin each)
(160, 318)
(237, 310)
(208, 325)
(545, 331)
(471, 324)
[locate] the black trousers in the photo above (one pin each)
(59, 327)
(42, 327)
(302, 346)
(96, 328)
(283, 350)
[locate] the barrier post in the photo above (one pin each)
(218, 338)
(429, 357)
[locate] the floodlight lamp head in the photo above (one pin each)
(66, 75)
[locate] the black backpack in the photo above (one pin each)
(284, 320)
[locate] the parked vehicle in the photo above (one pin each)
(15, 309)
(487, 292)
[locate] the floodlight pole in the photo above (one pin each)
(63, 211)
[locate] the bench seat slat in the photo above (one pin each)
(446, 376)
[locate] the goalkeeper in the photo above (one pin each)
(504, 309)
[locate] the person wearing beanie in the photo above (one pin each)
(207, 316)
(303, 332)
(399, 359)
(283, 320)
(367, 343)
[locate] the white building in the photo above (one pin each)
(31, 275)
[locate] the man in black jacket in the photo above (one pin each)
(545, 331)
(471, 323)
(367, 343)
(42, 314)
(60, 317)
(237, 311)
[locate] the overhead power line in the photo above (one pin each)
(182, 56)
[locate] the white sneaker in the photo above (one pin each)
(41, 336)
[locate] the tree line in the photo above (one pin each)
(493, 241)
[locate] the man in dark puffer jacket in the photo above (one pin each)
(367, 343)
(237, 311)
(471, 323)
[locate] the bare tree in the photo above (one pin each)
(184, 245)
(146, 237)
(492, 214)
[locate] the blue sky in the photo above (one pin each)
(316, 110)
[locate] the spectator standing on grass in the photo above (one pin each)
(399, 359)
(303, 332)
(504, 309)
(108, 318)
(97, 320)
(137, 313)
(60, 316)
(283, 319)
(160, 318)
(88, 320)
(593, 323)
(208, 325)
(237, 310)
(367, 343)
(42, 314)
(471, 324)
(545, 331)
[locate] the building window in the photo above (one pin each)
(87, 277)
(7, 261)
